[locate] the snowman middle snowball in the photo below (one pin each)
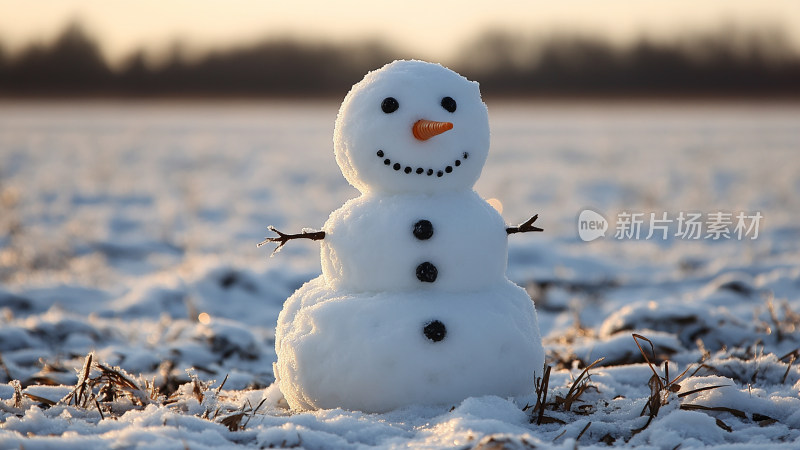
(413, 305)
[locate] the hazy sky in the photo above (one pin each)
(431, 29)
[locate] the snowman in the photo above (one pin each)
(413, 305)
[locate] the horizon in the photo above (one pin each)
(731, 62)
(439, 34)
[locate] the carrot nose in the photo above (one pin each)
(426, 129)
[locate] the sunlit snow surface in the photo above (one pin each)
(121, 224)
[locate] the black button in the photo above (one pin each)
(435, 331)
(423, 230)
(427, 272)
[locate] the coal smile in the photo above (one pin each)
(398, 167)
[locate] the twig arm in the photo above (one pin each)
(525, 227)
(283, 238)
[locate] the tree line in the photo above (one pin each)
(728, 62)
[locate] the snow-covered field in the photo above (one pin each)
(128, 233)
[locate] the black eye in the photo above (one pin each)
(449, 104)
(389, 105)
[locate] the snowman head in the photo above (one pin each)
(412, 127)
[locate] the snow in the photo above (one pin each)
(121, 224)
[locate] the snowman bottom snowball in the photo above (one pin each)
(370, 352)
(413, 305)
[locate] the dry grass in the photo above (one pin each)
(662, 388)
(579, 386)
(783, 325)
(99, 387)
